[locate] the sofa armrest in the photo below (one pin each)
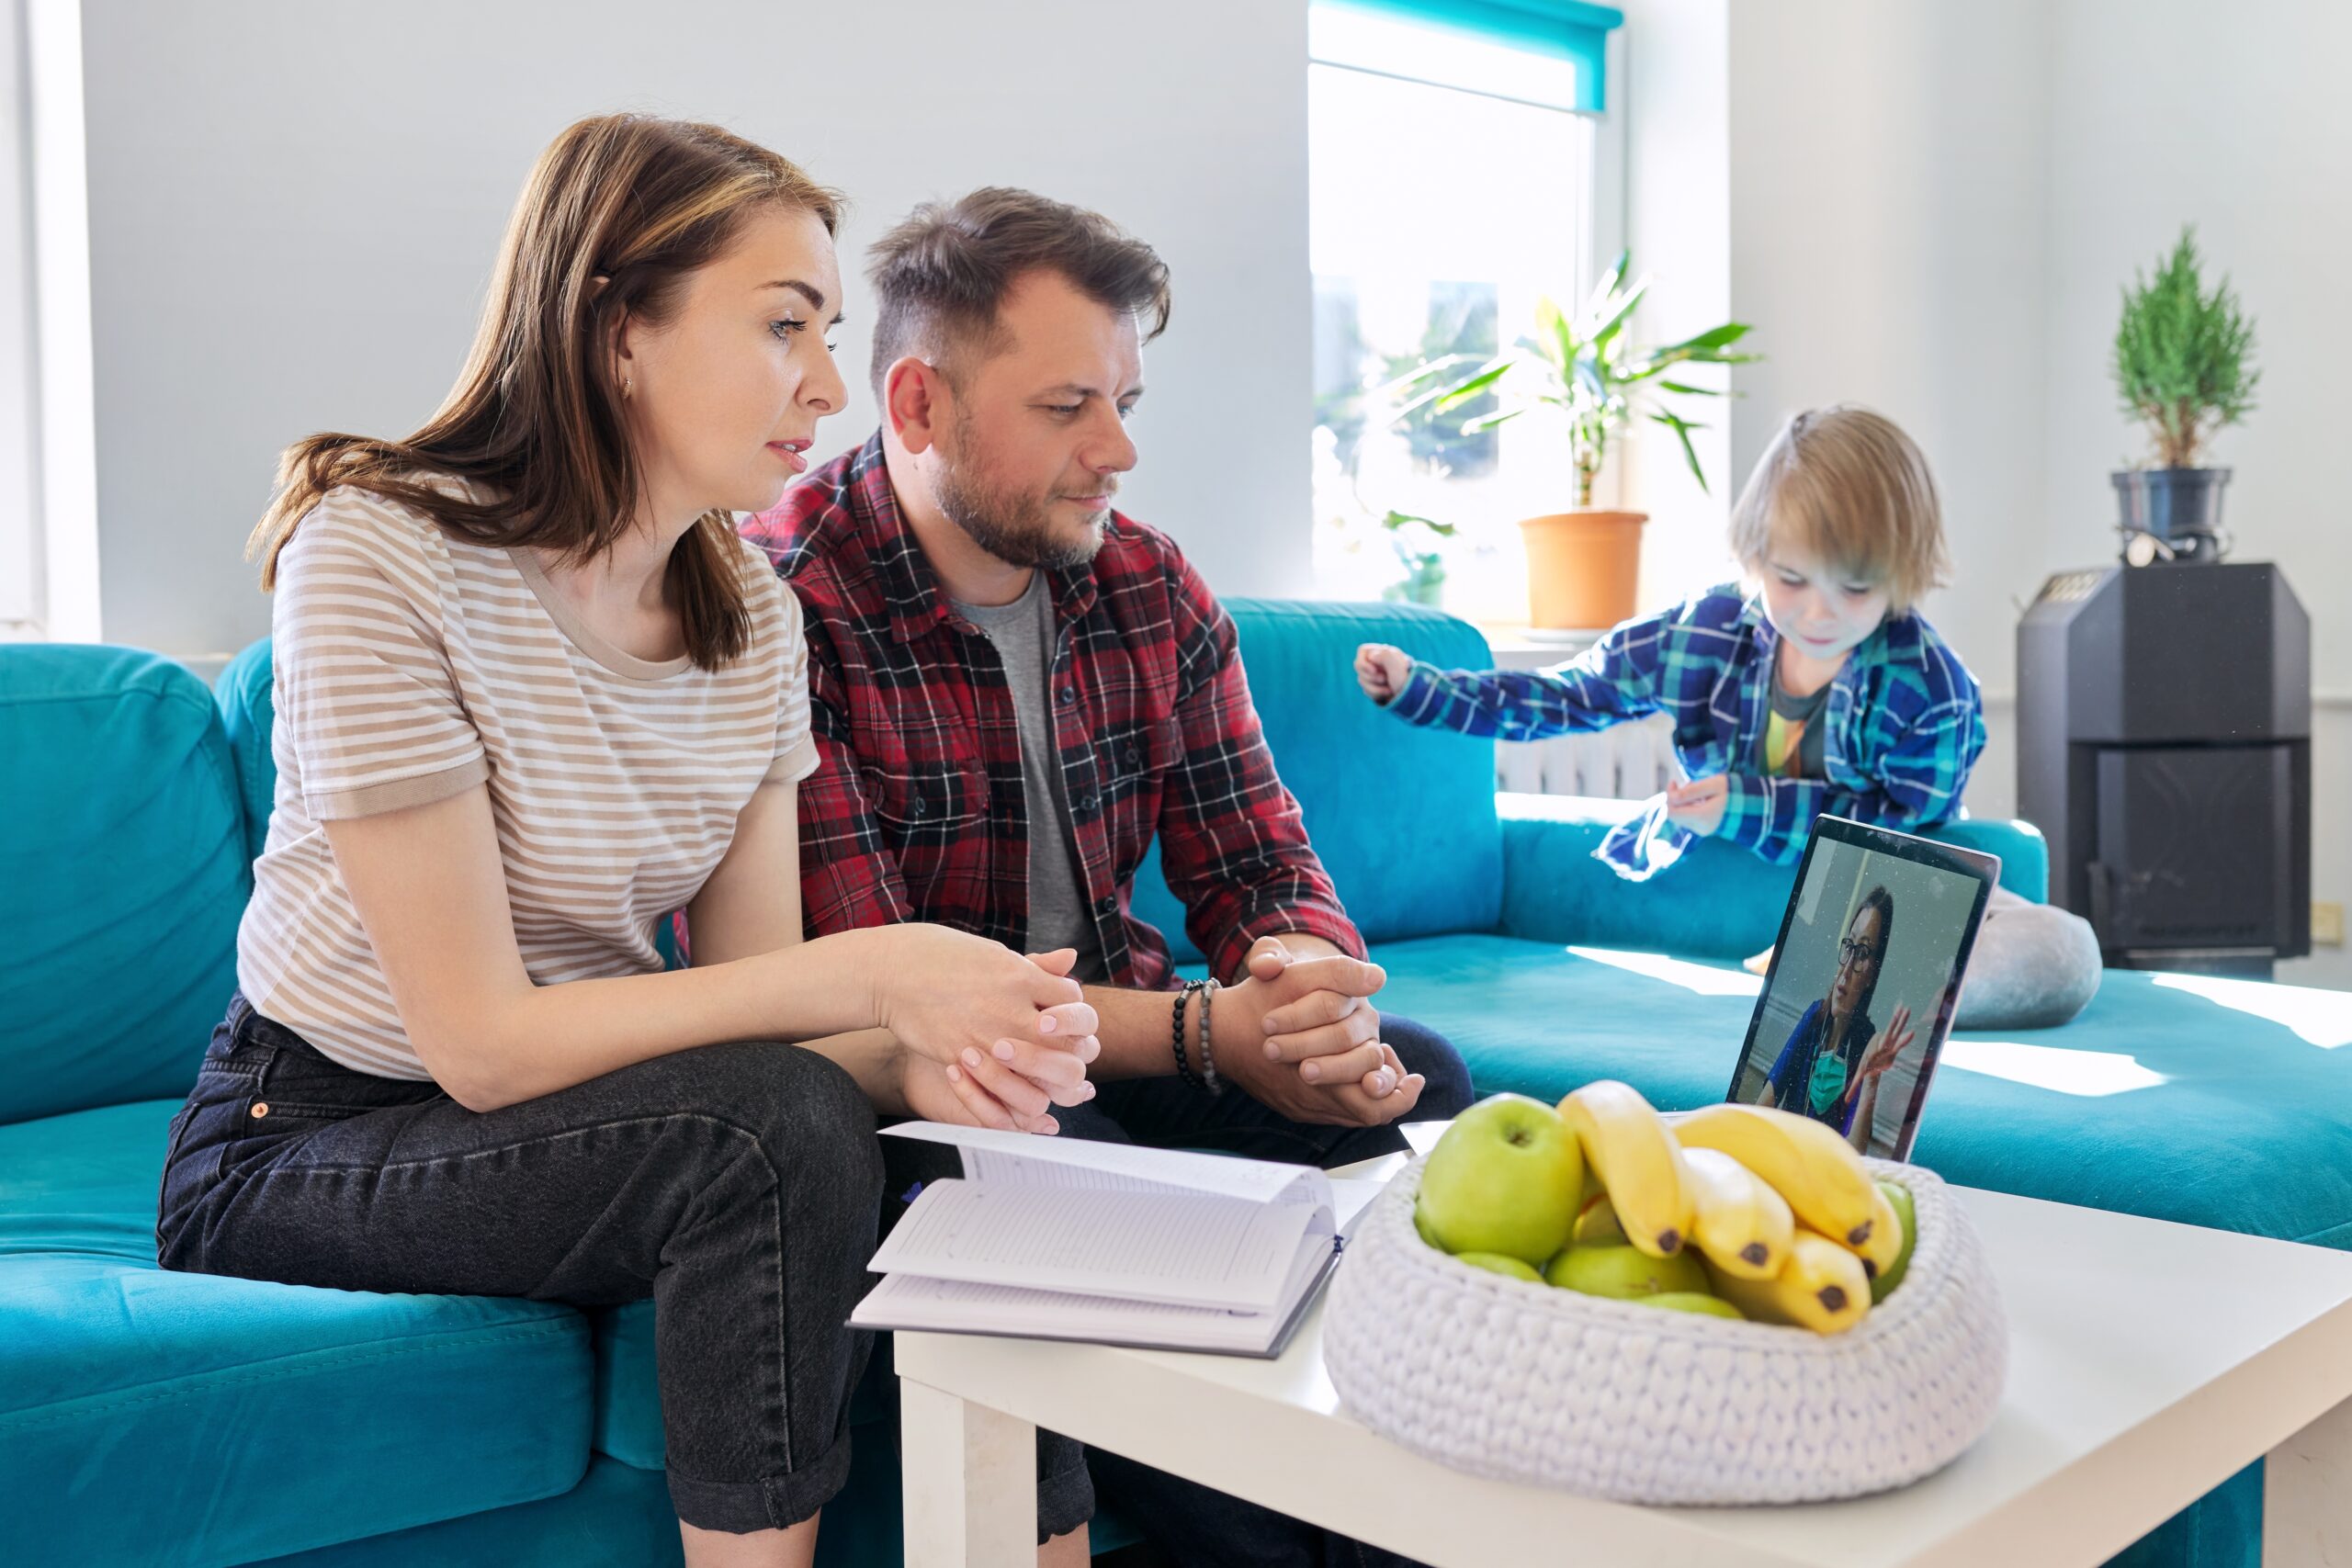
(1718, 902)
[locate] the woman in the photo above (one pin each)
(533, 693)
(1829, 1069)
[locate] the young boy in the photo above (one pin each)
(1821, 689)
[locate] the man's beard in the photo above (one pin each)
(1017, 529)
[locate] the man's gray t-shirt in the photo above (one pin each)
(1059, 913)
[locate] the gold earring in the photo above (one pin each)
(627, 386)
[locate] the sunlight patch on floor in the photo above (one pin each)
(2321, 1018)
(2090, 1073)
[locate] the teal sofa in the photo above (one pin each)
(151, 1417)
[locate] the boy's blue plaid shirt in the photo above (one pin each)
(1906, 722)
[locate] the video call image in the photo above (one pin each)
(1862, 995)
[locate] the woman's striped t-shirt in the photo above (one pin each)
(412, 666)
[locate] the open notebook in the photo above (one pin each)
(1053, 1238)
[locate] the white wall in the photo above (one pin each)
(1933, 208)
(294, 209)
(1887, 197)
(1864, 184)
(2236, 120)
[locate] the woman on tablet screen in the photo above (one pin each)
(1830, 1068)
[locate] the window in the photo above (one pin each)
(49, 486)
(21, 556)
(1452, 184)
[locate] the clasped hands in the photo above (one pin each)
(1299, 1034)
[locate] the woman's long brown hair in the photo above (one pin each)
(535, 419)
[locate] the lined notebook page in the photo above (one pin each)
(1187, 1249)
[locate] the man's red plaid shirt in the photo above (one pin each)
(916, 811)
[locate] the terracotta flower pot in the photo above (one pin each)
(1583, 567)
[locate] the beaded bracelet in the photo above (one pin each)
(1176, 1033)
(1208, 1063)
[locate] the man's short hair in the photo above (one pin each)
(941, 275)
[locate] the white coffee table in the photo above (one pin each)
(2149, 1362)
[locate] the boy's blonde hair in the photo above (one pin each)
(1847, 487)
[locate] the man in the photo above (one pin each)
(1015, 689)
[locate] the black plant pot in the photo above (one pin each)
(2181, 507)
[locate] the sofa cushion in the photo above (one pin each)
(122, 874)
(1554, 891)
(150, 1416)
(1404, 819)
(2212, 1102)
(246, 690)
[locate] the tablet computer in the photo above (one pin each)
(1859, 997)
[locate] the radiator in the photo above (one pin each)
(1631, 762)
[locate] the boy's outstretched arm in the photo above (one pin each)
(1615, 681)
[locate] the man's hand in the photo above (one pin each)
(1697, 805)
(1382, 670)
(1313, 1010)
(1299, 1035)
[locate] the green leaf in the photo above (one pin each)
(1690, 392)
(1561, 346)
(1484, 423)
(1438, 399)
(1682, 429)
(1609, 280)
(1463, 391)
(1710, 341)
(1420, 373)
(1396, 520)
(1618, 311)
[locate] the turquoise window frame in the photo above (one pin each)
(1563, 30)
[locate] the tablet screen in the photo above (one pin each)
(1863, 982)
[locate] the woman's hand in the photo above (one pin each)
(1887, 1047)
(964, 1097)
(1382, 670)
(967, 1003)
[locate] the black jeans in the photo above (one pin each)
(738, 1186)
(1192, 1525)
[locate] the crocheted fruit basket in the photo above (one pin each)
(1548, 1387)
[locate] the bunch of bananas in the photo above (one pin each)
(1739, 1211)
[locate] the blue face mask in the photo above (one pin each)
(1828, 1083)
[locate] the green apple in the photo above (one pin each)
(1690, 1301)
(1625, 1271)
(1899, 1196)
(1498, 1263)
(1597, 1222)
(1504, 1178)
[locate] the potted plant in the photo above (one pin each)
(1415, 541)
(1583, 563)
(2183, 363)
